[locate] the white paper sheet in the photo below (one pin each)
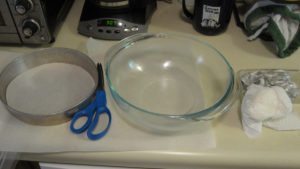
(17, 136)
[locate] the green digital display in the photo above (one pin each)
(109, 22)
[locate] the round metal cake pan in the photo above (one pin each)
(29, 61)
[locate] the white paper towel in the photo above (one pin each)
(270, 107)
(17, 136)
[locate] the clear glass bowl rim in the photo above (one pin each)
(129, 41)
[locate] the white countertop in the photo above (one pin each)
(234, 149)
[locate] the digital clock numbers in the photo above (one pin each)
(110, 23)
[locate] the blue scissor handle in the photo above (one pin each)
(100, 110)
(92, 127)
(93, 113)
(87, 112)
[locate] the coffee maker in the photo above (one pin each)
(115, 19)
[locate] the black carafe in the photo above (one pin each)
(210, 17)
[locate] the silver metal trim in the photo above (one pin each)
(53, 55)
(114, 4)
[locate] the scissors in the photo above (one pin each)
(93, 112)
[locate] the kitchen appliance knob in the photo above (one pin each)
(22, 6)
(30, 27)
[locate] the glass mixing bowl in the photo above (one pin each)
(167, 82)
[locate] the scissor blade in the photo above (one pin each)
(100, 77)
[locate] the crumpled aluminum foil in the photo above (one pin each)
(270, 78)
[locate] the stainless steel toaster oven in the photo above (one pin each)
(31, 21)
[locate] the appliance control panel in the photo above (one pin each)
(30, 21)
(110, 28)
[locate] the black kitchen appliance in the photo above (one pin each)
(115, 19)
(31, 21)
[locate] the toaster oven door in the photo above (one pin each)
(8, 31)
